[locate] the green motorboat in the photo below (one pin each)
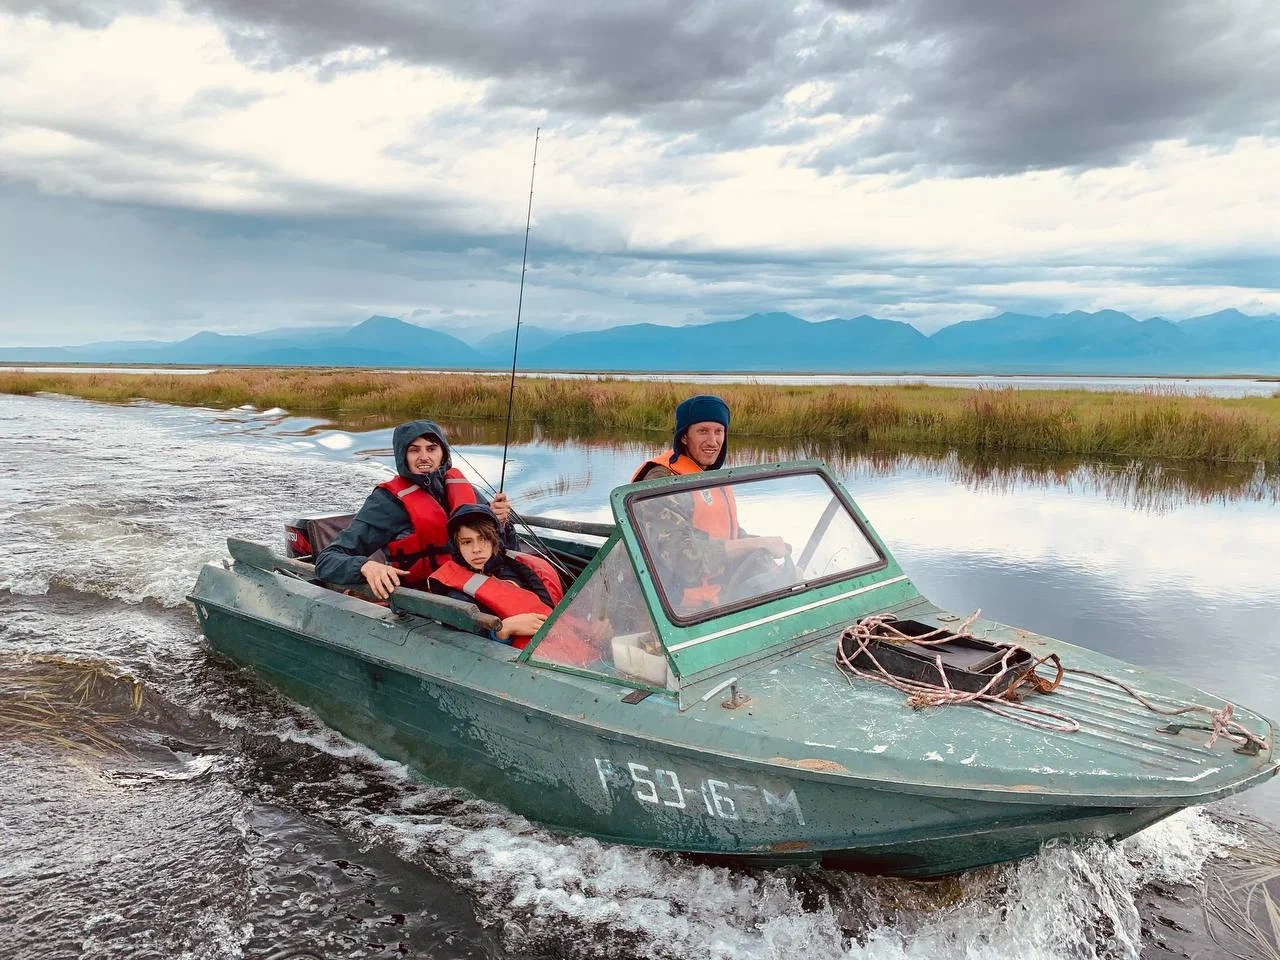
(710, 715)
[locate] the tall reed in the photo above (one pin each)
(1079, 422)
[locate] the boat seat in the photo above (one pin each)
(323, 529)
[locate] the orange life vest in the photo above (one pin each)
(715, 513)
(503, 598)
(427, 546)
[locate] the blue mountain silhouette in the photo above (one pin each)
(1104, 342)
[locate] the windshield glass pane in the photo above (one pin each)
(607, 629)
(714, 547)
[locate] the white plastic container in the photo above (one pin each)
(631, 659)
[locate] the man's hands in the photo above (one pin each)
(381, 577)
(501, 507)
(521, 625)
(777, 547)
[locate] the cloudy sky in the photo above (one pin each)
(237, 165)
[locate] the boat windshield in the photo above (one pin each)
(725, 547)
(606, 628)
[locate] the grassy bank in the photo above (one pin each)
(1075, 422)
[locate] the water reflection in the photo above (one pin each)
(1146, 485)
(1143, 484)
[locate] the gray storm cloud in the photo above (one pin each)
(982, 87)
(993, 86)
(970, 87)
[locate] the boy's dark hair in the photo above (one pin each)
(486, 528)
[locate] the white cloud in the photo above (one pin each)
(159, 111)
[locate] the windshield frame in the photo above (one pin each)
(665, 486)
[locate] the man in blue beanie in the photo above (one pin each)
(701, 440)
(697, 538)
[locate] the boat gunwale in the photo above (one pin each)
(1017, 793)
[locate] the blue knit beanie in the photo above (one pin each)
(702, 408)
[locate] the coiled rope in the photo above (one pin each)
(1007, 702)
(921, 694)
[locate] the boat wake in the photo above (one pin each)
(573, 896)
(130, 502)
(244, 816)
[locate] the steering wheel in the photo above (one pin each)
(758, 571)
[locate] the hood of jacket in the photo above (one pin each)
(433, 482)
(406, 433)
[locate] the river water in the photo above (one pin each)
(220, 820)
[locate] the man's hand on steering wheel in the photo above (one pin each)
(777, 547)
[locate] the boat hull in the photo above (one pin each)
(561, 770)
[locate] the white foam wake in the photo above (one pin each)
(130, 501)
(589, 899)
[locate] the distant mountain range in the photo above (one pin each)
(1106, 342)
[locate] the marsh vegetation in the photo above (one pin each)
(1076, 422)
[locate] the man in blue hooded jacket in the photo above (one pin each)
(406, 517)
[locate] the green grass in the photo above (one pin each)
(1075, 422)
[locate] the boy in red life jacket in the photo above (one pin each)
(700, 537)
(406, 518)
(518, 588)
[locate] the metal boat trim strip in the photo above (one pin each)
(785, 613)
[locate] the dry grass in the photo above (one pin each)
(53, 701)
(1077, 422)
(1240, 905)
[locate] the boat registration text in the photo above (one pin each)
(724, 799)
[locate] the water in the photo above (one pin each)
(234, 824)
(149, 371)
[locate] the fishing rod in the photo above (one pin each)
(515, 349)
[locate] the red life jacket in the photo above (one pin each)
(503, 598)
(569, 643)
(545, 571)
(427, 546)
(715, 513)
